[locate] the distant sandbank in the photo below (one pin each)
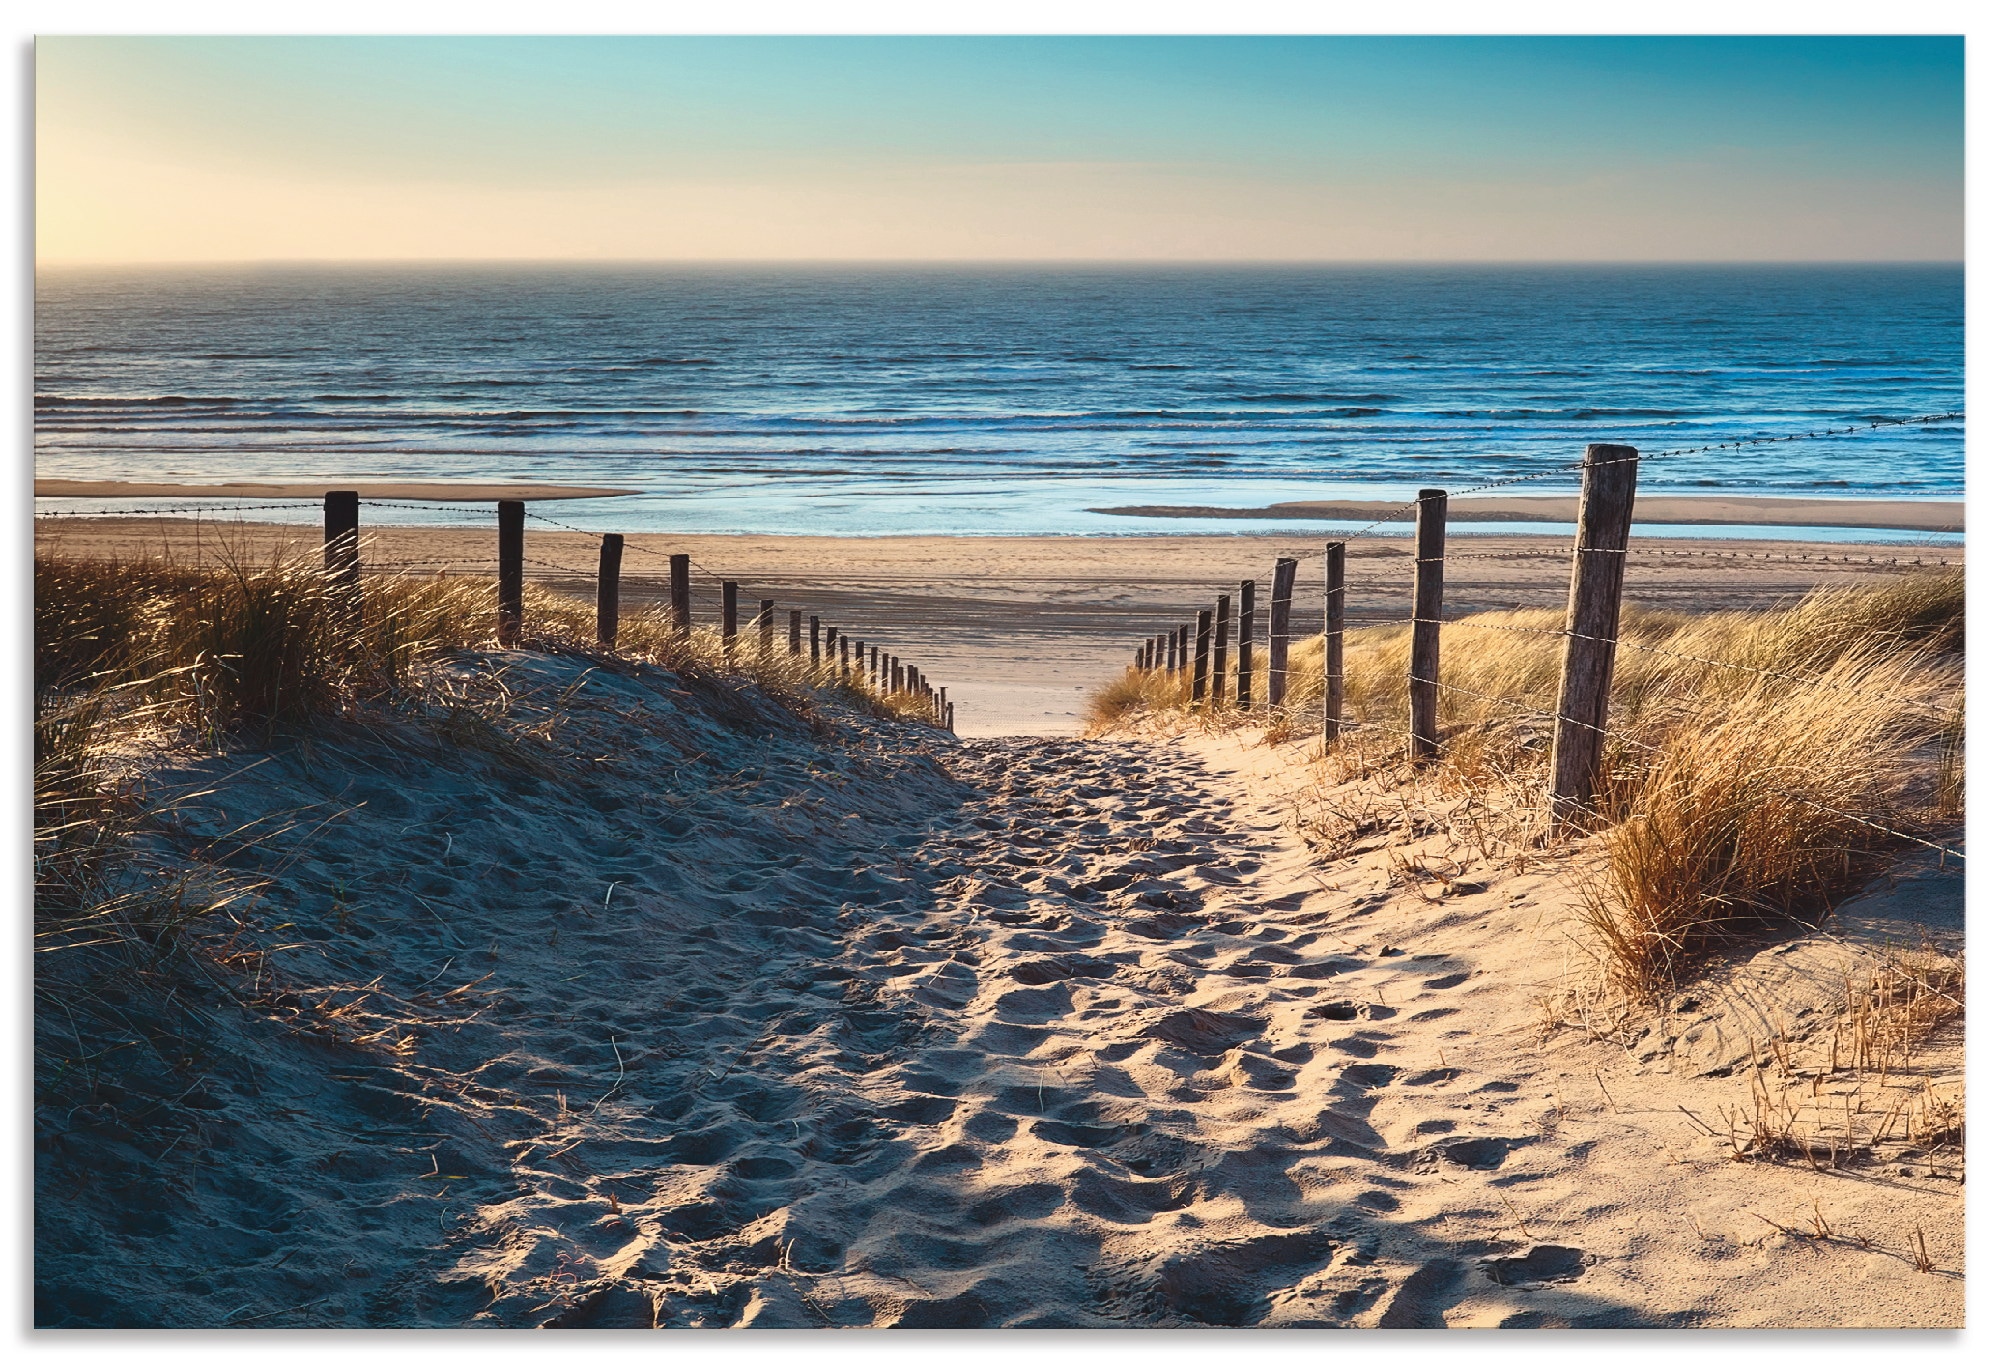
(1844, 513)
(407, 492)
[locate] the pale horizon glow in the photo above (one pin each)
(995, 150)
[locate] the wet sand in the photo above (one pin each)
(1020, 629)
(1843, 513)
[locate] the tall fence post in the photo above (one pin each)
(1219, 674)
(610, 555)
(797, 618)
(1426, 610)
(1282, 577)
(1246, 620)
(815, 645)
(681, 595)
(1204, 641)
(1181, 651)
(343, 539)
(1596, 583)
(951, 718)
(1336, 638)
(728, 621)
(875, 666)
(513, 527)
(767, 613)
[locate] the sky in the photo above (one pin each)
(939, 149)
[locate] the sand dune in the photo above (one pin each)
(684, 1009)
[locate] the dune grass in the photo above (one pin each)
(1761, 764)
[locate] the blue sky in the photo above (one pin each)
(1030, 148)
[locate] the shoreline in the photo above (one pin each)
(401, 491)
(1737, 510)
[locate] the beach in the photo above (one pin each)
(583, 995)
(1020, 628)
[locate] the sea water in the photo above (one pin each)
(995, 400)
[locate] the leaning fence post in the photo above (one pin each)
(728, 620)
(513, 525)
(797, 617)
(1246, 620)
(1336, 637)
(767, 612)
(681, 595)
(1426, 611)
(610, 553)
(1204, 640)
(1281, 627)
(1219, 674)
(1597, 580)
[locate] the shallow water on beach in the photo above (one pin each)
(959, 400)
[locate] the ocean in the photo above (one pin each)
(995, 400)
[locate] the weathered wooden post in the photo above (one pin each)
(1245, 661)
(1282, 577)
(1204, 640)
(815, 645)
(1181, 651)
(1151, 646)
(681, 595)
(951, 718)
(767, 613)
(1426, 612)
(1596, 583)
(844, 642)
(875, 666)
(513, 525)
(728, 621)
(798, 618)
(1336, 638)
(610, 554)
(1219, 674)
(1166, 654)
(1139, 657)
(343, 540)
(943, 706)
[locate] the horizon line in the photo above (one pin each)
(906, 261)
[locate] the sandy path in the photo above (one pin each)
(696, 1012)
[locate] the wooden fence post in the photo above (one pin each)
(1219, 674)
(951, 718)
(343, 540)
(1139, 657)
(1204, 641)
(1152, 649)
(1426, 610)
(1336, 638)
(815, 645)
(942, 706)
(728, 620)
(844, 641)
(681, 595)
(1246, 620)
(797, 618)
(513, 525)
(875, 666)
(1596, 583)
(1282, 577)
(767, 621)
(610, 555)
(1181, 651)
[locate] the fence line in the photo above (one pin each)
(1591, 635)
